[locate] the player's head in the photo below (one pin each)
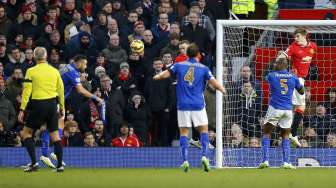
(300, 36)
(40, 54)
(281, 64)
(80, 62)
(192, 50)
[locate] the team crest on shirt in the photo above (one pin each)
(190, 75)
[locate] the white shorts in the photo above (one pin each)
(297, 99)
(283, 118)
(186, 118)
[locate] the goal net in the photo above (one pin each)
(245, 52)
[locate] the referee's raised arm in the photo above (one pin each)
(43, 85)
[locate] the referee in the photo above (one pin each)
(43, 85)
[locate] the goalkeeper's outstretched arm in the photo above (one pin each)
(215, 84)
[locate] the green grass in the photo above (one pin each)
(170, 178)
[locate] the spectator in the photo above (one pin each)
(152, 48)
(138, 115)
(124, 81)
(236, 137)
(99, 73)
(14, 85)
(204, 10)
(195, 33)
(212, 138)
(55, 42)
(15, 61)
(322, 122)
(54, 59)
(249, 110)
(254, 142)
(115, 104)
(7, 112)
(99, 31)
(89, 113)
(224, 6)
(84, 44)
(3, 56)
(99, 133)
(26, 24)
(331, 102)
(175, 28)
(304, 143)
(114, 54)
(127, 29)
(182, 56)
(247, 76)
(310, 104)
(68, 11)
(29, 60)
(71, 29)
(89, 140)
(157, 93)
(44, 38)
(173, 45)
(8, 138)
(166, 8)
(331, 140)
(112, 27)
(138, 32)
(5, 22)
(149, 10)
(180, 9)
(118, 12)
(162, 28)
(312, 138)
(125, 139)
(203, 21)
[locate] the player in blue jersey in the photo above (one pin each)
(71, 79)
(191, 80)
(282, 85)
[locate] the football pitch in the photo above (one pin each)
(170, 178)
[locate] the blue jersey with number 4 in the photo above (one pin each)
(282, 85)
(191, 79)
(71, 78)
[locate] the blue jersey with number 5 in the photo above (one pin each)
(191, 79)
(282, 85)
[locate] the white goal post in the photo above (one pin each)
(220, 34)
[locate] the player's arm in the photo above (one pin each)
(162, 75)
(81, 90)
(27, 90)
(215, 84)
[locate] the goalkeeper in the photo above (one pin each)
(282, 85)
(191, 79)
(301, 53)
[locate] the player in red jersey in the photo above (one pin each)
(125, 140)
(300, 53)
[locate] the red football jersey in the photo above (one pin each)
(298, 55)
(129, 142)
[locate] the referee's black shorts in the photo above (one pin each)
(43, 111)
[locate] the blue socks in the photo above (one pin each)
(184, 147)
(265, 147)
(45, 143)
(45, 139)
(285, 150)
(205, 144)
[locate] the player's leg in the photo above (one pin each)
(52, 125)
(200, 120)
(26, 135)
(299, 102)
(52, 154)
(271, 119)
(285, 124)
(184, 122)
(45, 139)
(266, 143)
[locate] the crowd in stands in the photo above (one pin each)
(139, 111)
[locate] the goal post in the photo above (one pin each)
(230, 47)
